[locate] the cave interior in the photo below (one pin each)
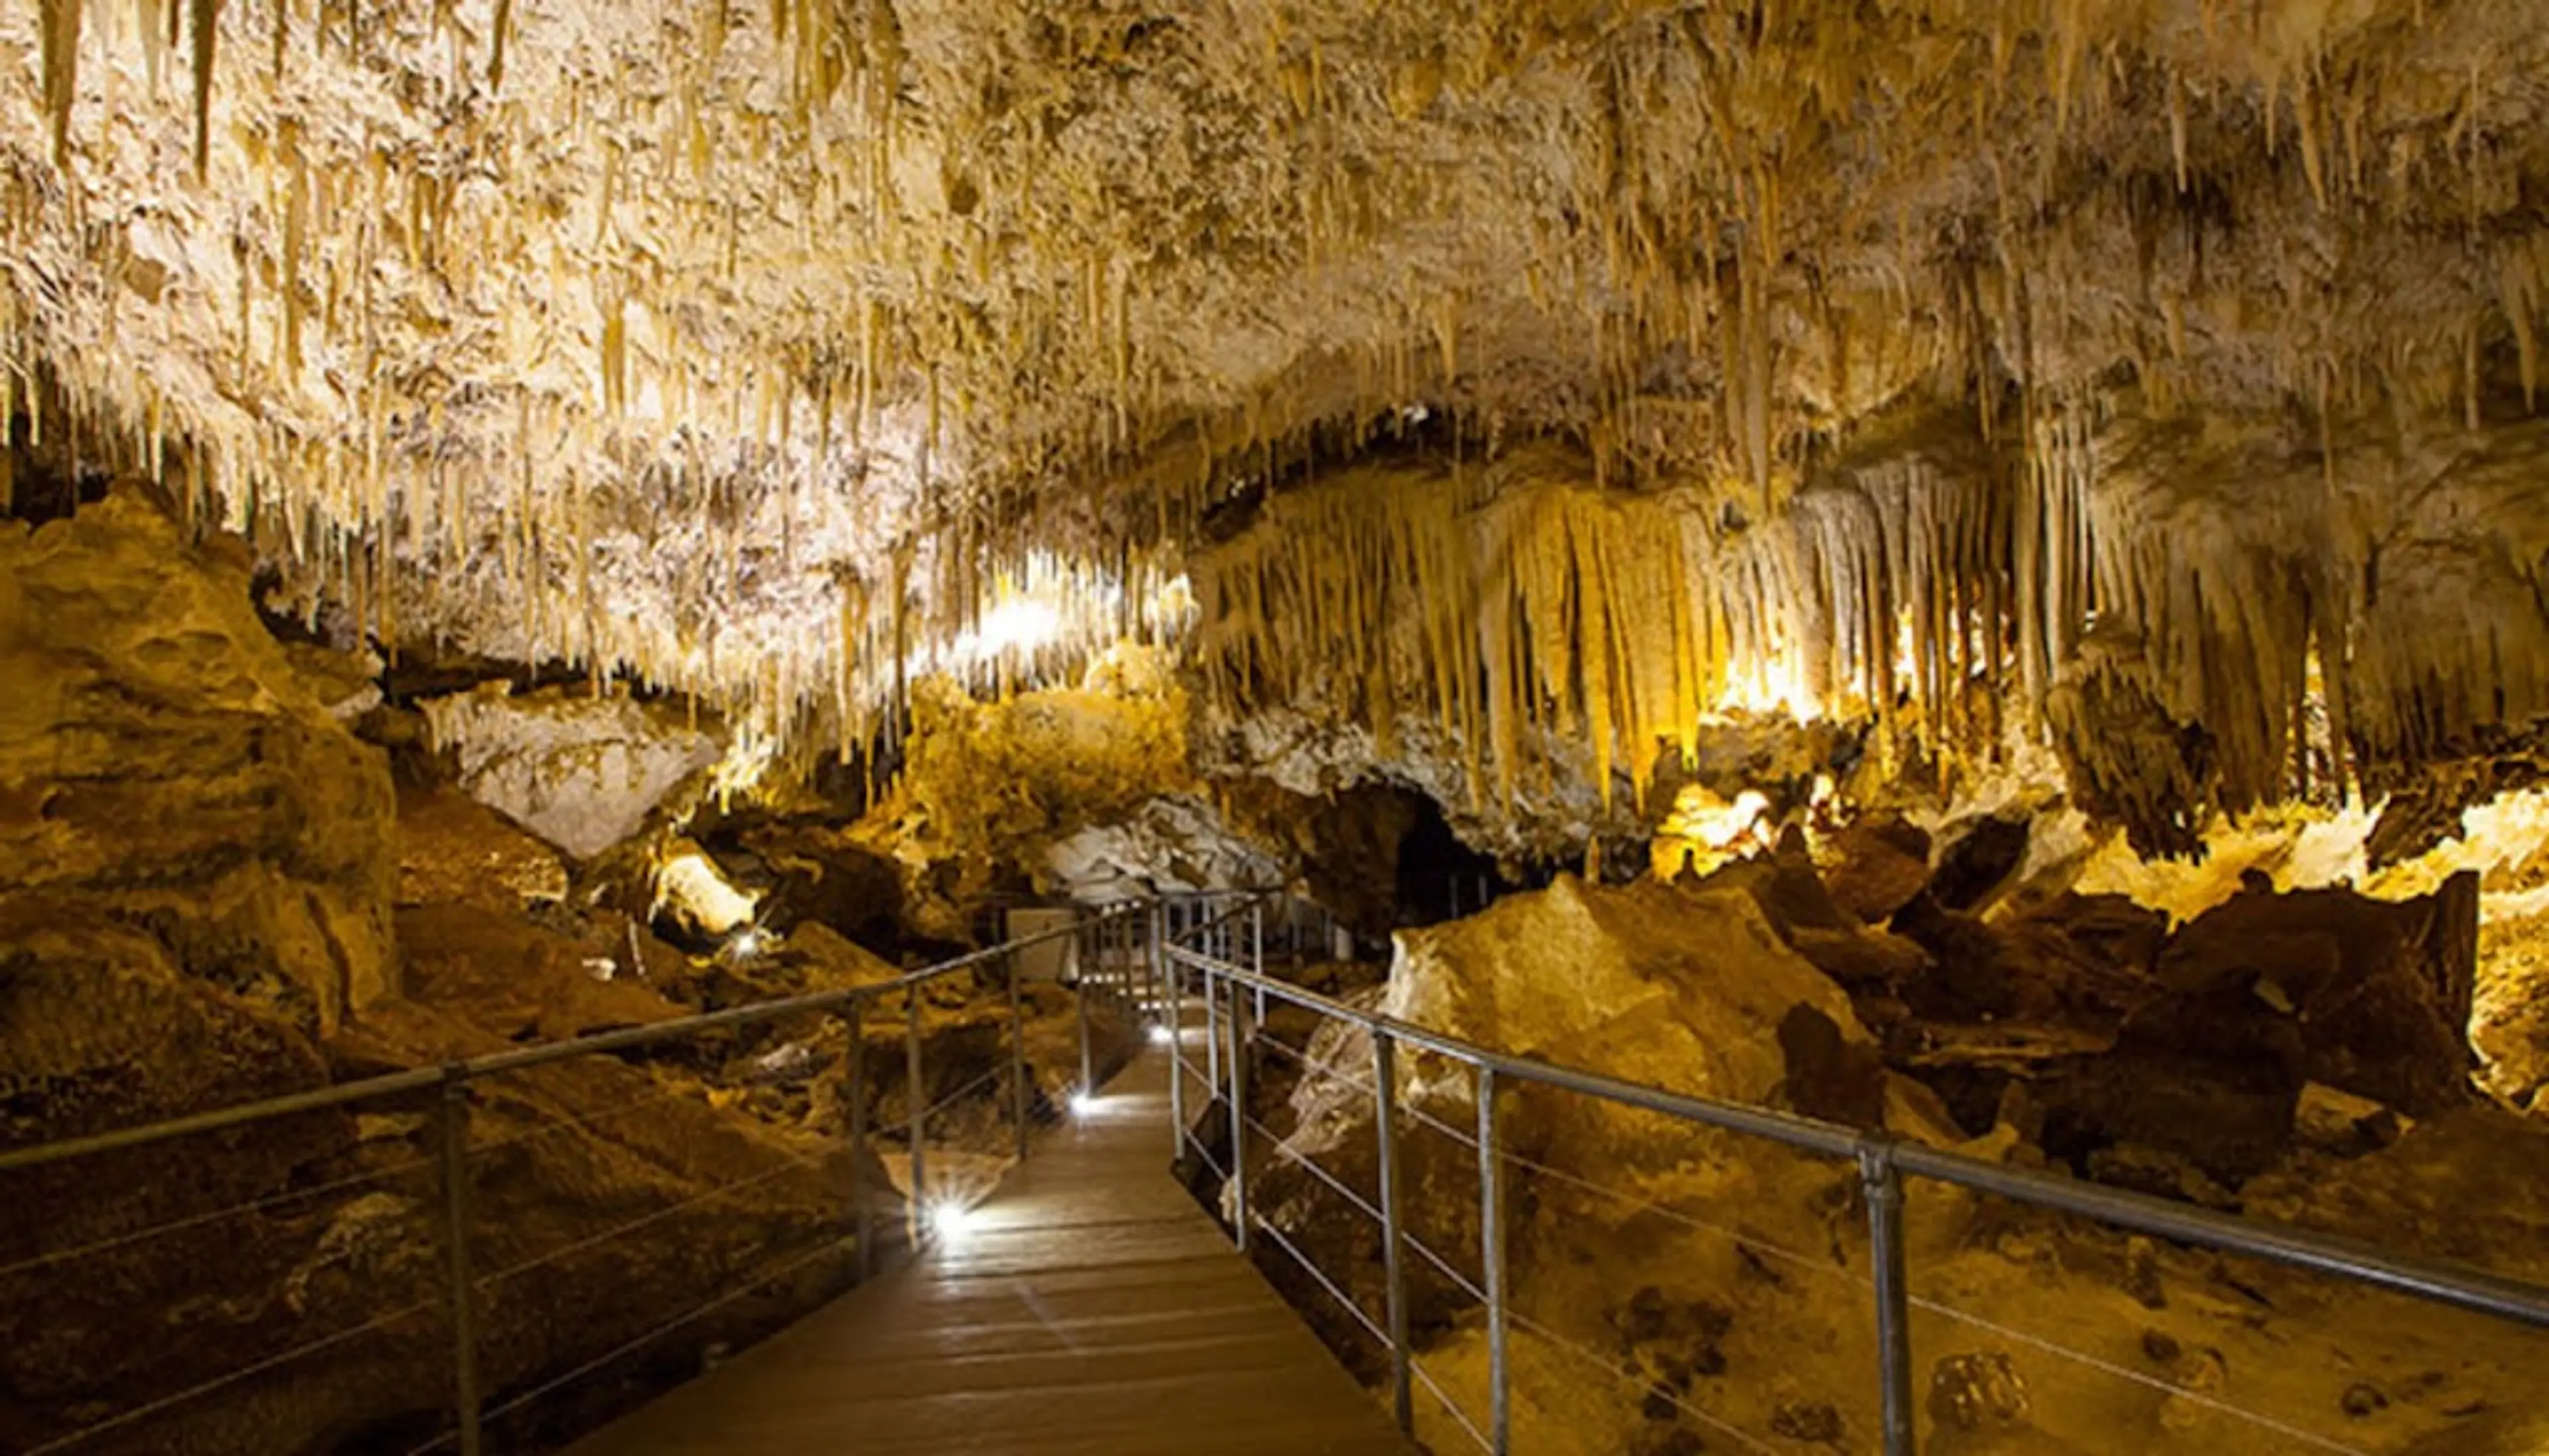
(1973, 569)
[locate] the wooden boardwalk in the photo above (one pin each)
(1090, 1308)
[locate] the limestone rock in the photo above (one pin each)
(581, 772)
(820, 876)
(1875, 864)
(1676, 987)
(454, 851)
(1168, 844)
(832, 960)
(2369, 996)
(164, 765)
(2343, 1123)
(100, 1028)
(522, 980)
(1975, 863)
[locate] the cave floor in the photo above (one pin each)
(1088, 1307)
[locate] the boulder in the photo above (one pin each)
(522, 980)
(1171, 842)
(581, 772)
(1978, 1401)
(2077, 961)
(1811, 922)
(165, 766)
(2369, 996)
(2254, 1001)
(2343, 1123)
(820, 875)
(1975, 863)
(1874, 865)
(834, 961)
(1680, 987)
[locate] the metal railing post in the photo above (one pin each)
(1213, 1030)
(1173, 984)
(1883, 1183)
(1019, 1101)
(1238, 1057)
(1385, 1095)
(862, 1214)
(1083, 989)
(465, 1284)
(1146, 949)
(1257, 948)
(919, 1111)
(1491, 1254)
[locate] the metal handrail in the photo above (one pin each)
(1160, 978)
(448, 1084)
(2440, 1281)
(1882, 1161)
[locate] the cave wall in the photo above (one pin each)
(172, 775)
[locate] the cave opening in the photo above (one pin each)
(1440, 877)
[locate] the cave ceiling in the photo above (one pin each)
(733, 349)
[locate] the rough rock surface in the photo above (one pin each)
(1664, 984)
(454, 851)
(164, 767)
(819, 873)
(988, 788)
(581, 772)
(1758, 1333)
(1166, 846)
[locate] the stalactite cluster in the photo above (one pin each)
(2189, 651)
(755, 353)
(1520, 595)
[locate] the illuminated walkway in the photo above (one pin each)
(1089, 1307)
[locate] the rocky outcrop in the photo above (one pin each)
(819, 875)
(1681, 988)
(2253, 1002)
(1168, 845)
(455, 851)
(581, 772)
(1721, 1283)
(165, 768)
(989, 789)
(2326, 985)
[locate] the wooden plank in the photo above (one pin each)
(1090, 1309)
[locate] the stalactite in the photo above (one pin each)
(207, 17)
(59, 21)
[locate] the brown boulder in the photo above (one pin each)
(520, 980)
(2365, 995)
(454, 851)
(1875, 864)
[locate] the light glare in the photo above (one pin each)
(1083, 1104)
(950, 1219)
(1160, 1037)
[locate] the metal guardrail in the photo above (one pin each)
(1150, 960)
(1200, 962)
(1109, 968)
